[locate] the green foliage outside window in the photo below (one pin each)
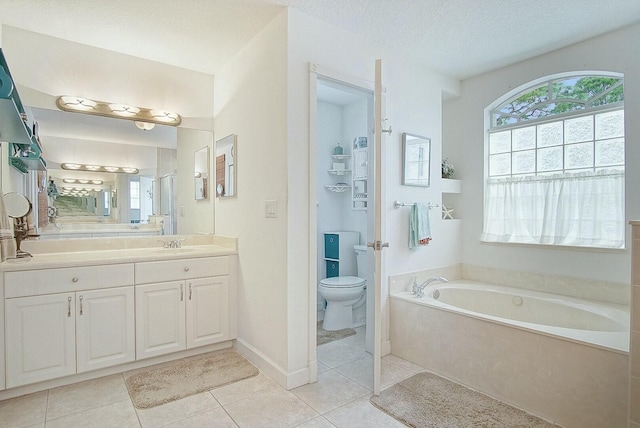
(560, 96)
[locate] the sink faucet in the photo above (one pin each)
(418, 290)
(175, 243)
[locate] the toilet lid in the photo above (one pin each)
(342, 282)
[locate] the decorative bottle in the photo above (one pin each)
(338, 150)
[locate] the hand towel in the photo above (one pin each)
(419, 227)
(8, 246)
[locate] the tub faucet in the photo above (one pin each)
(418, 290)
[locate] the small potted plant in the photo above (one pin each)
(447, 169)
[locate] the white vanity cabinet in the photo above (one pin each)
(181, 304)
(105, 328)
(66, 321)
(41, 341)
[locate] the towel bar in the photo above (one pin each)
(398, 204)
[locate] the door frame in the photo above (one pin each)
(318, 72)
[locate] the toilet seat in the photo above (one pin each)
(342, 282)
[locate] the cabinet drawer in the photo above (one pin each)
(63, 280)
(176, 270)
(331, 246)
(333, 268)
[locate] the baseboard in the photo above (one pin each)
(273, 370)
(386, 347)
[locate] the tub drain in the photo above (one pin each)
(517, 300)
(436, 294)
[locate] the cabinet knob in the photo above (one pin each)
(75, 279)
(186, 269)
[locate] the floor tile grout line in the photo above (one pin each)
(90, 408)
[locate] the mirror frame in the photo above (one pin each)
(410, 166)
(201, 173)
(226, 183)
(17, 205)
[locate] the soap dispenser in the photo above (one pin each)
(338, 150)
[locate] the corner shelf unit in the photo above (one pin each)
(25, 152)
(340, 161)
(358, 183)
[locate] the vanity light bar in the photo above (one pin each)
(120, 111)
(81, 181)
(99, 168)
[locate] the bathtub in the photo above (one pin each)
(561, 358)
(595, 323)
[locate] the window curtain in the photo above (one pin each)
(577, 209)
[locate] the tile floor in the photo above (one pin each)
(340, 398)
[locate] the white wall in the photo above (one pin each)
(464, 133)
(250, 102)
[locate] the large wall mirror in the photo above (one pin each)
(135, 203)
(201, 173)
(416, 160)
(226, 166)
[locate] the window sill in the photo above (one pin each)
(558, 247)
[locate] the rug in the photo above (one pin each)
(162, 383)
(325, 336)
(426, 400)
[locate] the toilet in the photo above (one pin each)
(346, 296)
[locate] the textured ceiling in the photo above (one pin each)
(461, 38)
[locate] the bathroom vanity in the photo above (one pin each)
(103, 306)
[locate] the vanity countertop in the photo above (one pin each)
(79, 253)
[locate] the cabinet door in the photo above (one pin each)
(105, 328)
(160, 318)
(41, 340)
(207, 311)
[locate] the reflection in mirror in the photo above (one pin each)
(416, 160)
(18, 207)
(201, 173)
(226, 166)
(96, 204)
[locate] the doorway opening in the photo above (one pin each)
(344, 224)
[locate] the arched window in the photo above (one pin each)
(555, 164)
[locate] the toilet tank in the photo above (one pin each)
(361, 260)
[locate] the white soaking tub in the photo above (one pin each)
(561, 358)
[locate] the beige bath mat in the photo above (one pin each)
(325, 336)
(426, 400)
(162, 383)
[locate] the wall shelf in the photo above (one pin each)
(25, 149)
(339, 171)
(338, 188)
(451, 185)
